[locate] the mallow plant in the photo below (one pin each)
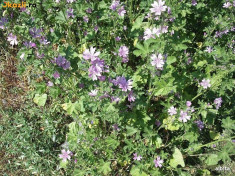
(149, 84)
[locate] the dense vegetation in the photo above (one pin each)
(136, 87)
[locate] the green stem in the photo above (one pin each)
(204, 145)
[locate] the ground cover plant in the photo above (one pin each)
(136, 87)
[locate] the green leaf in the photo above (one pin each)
(102, 5)
(61, 17)
(214, 135)
(131, 131)
(177, 159)
(213, 159)
(72, 107)
(112, 142)
(228, 123)
(224, 155)
(63, 164)
(137, 24)
(135, 171)
(170, 60)
(40, 100)
(105, 168)
(204, 113)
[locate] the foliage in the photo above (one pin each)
(149, 88)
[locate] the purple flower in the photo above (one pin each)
(209, 49)
(123, 52)
(157, 31)
(70, 1)
(96, 69)
(62, 62)
(29, 44)
(164, 29)
(75, 161)
(121, 11)
(115, 99)
(66, 155)
(158, 7)
(115, 127)
(35, 33)
(56, 75)
(148, 34)
(86, 19)
(89, 10)
(227, 5)
(205, 83)
(188, 103)
(172, 111)
(123, 83)
(96, 28)
(70, 13)
(200, 124)
(158, 162)
(3, 21)
(93, 93)
(184, 116)
(81, 85)
(102, 78)
(131, 97)
(40, 56)
(50, 84)
(138, 158)
(158, 123)
(124, 28)
(218, 102)
(114, 5)
(43, 40)
(194, 2)
(12, 39)
(90, 54)
(157, 61)
(118, 38)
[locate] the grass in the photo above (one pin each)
(30, 137)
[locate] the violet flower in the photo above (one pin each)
(131, 97)
(121, 11)
(194, 2)
(158, 162)
(90, 54)
(218, 102)
(188, 103)
(123, 83)
(12, 39)
(158, 7)
(137, 157)
(209, 49)
(184, 117)
(200, 124)
(66, 155)
(35, 33)
(172, 111)
(227, 5)
(56, 75)
(62, 62)
(93, 93)
(70, 13)
(157, 61)
(3, 21)
(205, 83)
